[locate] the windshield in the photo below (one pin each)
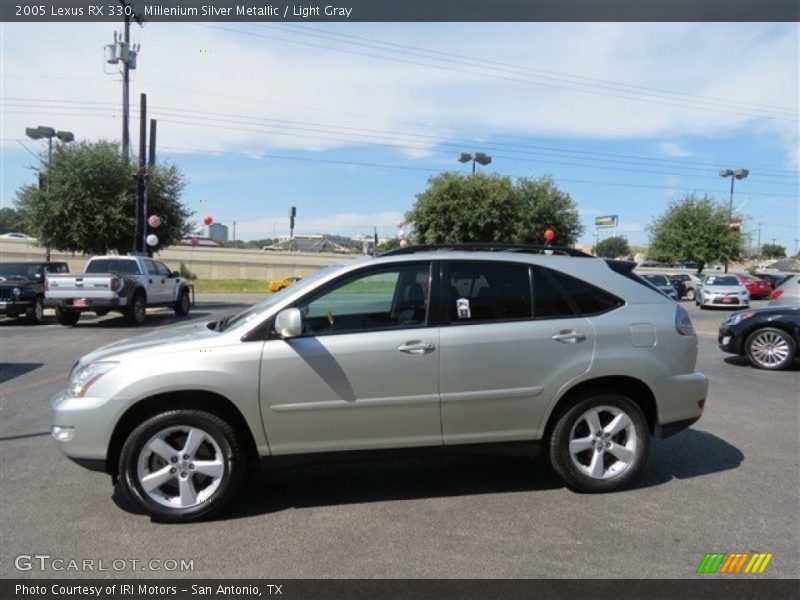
(272, 299)
(721, 280)
(657, 279)
(20, 270)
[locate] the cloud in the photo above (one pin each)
(674, 149)
(259, 89)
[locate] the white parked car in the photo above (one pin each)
(17, 236)
(722, 290)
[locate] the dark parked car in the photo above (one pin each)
(679, 282)
(22, 288)
(768, 336)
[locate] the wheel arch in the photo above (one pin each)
(210, 402)
(635, 389)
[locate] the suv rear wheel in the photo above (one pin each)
(137, 311)
(67, 317)
(600, 444)
(181, 465)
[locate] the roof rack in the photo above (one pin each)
(489, 247)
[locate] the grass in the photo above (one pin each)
(230, 286)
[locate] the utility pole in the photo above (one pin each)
(234, 234)
(126, 109)
(139, 244)
(292, 215)
(758, 249)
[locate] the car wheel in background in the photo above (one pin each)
(690, 294)
(183, 305)
(35, 313)
(67, 317)
(182, 465)
(600, 443)
(101, 312)
(770, 348)
(137, 311)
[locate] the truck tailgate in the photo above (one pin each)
(95, 285)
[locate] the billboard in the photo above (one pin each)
(606, 221)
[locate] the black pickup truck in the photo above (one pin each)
(22, 288)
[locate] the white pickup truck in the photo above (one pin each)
(128, 284)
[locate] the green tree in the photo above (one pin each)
(10, 220)
(544, 207)
(612, 247)
(88, 203)
(695, 229)
(390, 244)
(457, 208)
(460, 208)
(773, 251)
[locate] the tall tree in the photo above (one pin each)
(87, 204)
(695, 229)
(10, 220)
(544, 207)
(773, 251)
(460, 208)
(612, 247)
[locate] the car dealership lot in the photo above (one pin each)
(729, 484)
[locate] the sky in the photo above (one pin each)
(347, 121)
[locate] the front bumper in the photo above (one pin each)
(15, 307)
(728, 340)
(681, 400)
(723, 300)
(84, 425)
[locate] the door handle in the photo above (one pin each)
(569, 336)
(416, 347)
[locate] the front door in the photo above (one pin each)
(365, 372)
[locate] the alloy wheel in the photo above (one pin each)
(769, 349)
(180, 467)
(602, 442)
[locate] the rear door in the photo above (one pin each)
(510, 339)
(365, 372)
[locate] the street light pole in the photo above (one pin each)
(42, 131)
(478, 157)
(734, 175)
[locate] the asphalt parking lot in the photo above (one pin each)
(729, 484)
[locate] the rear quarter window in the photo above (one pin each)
(586, 298)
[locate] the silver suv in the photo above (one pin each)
(519, 348)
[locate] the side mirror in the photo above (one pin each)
(289, 323)
(174, 274)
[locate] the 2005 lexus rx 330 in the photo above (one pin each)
(441, 347)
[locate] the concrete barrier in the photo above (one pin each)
(206, 263)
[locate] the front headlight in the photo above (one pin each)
(84, 378)
(737, 318)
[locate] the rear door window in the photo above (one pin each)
(481, 292)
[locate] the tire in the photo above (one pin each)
(136, 313)
(612, 472)
(770, 348)
(67, 317)
(690, 294)
(185, 492)
(35, 313)
(184, 304)
(101, 312)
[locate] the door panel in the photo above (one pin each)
(350, 391)
(497, 378)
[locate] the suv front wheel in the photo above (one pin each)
(181, 465)
(600, 444)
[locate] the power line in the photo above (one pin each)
(369, 139)
(551, 74)
(493, 75)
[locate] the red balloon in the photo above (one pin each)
(549, 234)
(208, 220)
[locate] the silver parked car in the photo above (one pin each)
(497, 346)
(787, 292)
(722, 290)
